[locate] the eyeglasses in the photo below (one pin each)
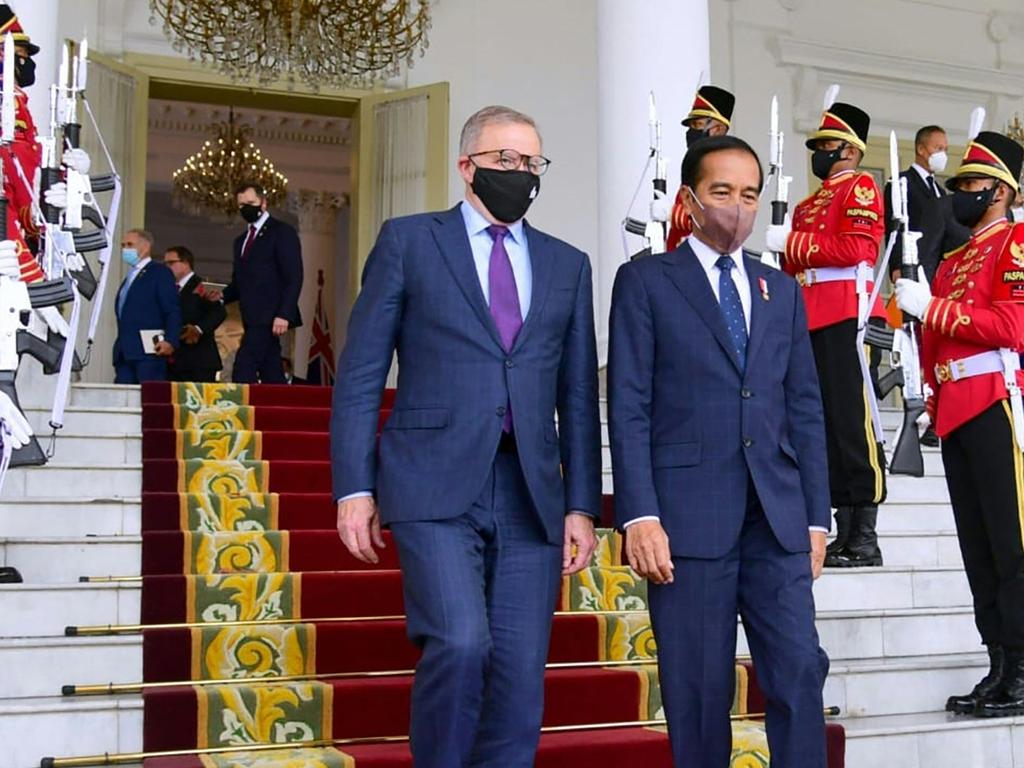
(511, 160)
(173, 261)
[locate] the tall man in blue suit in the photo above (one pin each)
(721, 484)
(147, 300)
(487, 501)
(266, 282)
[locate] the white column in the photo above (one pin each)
(318, 215)
(39, 20)
(659, 45)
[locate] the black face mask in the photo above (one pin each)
(822, 161)
(693, 135)
(24, 71)
(506, 194)
(969, 207)
(251, 213)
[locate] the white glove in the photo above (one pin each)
(77, 159)
(771, 259)
(12, 420)
(57, 195)
(661, 206)
(9, 266)
(777, 235)
(913, 297)
(54, 320)
(924, 420)
(74, 262)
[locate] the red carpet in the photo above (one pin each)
(238, 525)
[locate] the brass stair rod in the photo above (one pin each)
(137, 757)
(131, 629)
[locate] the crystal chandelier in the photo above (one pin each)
(321, 42)
(205, 184)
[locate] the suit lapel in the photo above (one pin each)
(541, 265)
(686, 273)
(449, 231)
(756, 272)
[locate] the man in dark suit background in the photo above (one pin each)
(197, 357)
(928, 204)
(721, 483)
(266, 281)
(487, 502)
(147, 300)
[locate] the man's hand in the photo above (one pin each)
(57, 195)
(190, 334)
(359, 528)
(648, 552)
(213, 294)
(777, 235)
(817, 552)
(579, 543)
(13, 425)
(661, 206)
(9, 266)
(913, 297)
(280, 326)
(54, 320)
(77, 159)
(163, 349)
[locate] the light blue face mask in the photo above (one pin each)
(130, 256)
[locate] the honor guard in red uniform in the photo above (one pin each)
(831, 248)
(709, 116)
(20, 225)
(973, 331)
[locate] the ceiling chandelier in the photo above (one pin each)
(321, 42)
(205, 184)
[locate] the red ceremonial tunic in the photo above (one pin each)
(20, 222)
(978, 306)
(840, 225)
(679, 226)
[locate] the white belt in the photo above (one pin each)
(861, 273)
(967, 367)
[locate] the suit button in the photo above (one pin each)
(747, 442)
(746, 394)
(509, 364)
(500, 410)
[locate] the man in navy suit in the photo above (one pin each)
(721, 484)
(266, 281)
(146, 301)
(487, 501)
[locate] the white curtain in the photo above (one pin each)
(111, 95)
(400, 158)
(399, 165)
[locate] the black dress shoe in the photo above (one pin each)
(929, 438)
(10, 575)
(843, 516)
(1008, 700)
(986, 688)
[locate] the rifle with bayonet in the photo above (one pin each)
(654, 232)
(780, 203)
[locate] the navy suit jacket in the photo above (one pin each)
(688, 426)
(422, 297)
(267, 282)
(152, 302)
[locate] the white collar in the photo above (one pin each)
(185, 279)
(708, 256)
(141, 264)
(476, 223)
(923, 172)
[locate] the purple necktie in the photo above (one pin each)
(505, 309)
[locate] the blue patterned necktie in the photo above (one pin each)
(732, 308)
(122, 295)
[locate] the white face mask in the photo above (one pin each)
(937, 162)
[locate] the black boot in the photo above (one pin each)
(985, 689)
(929, 438)
(1008, 700)
(843, 516)
(862, 546)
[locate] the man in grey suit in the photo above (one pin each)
(487, 502)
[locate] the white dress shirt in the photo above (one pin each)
(926, 174)
(707, 256)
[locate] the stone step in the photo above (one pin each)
(900, 686)
(62, 560)
(71, 516)
(920, 548)
(105, 396)
(891, 588)
(43, 610)
(915, 516)
(59, 478)
(933, 740)
(98, 450)
(41, 666)
(95, 420)
(54, 726)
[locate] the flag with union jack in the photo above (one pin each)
(321, 351)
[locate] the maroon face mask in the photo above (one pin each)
(725, 227)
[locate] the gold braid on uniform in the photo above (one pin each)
(945, 316)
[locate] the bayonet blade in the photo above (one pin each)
(895, 189)
(83, 65)
(774, 147)
(7, 107)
